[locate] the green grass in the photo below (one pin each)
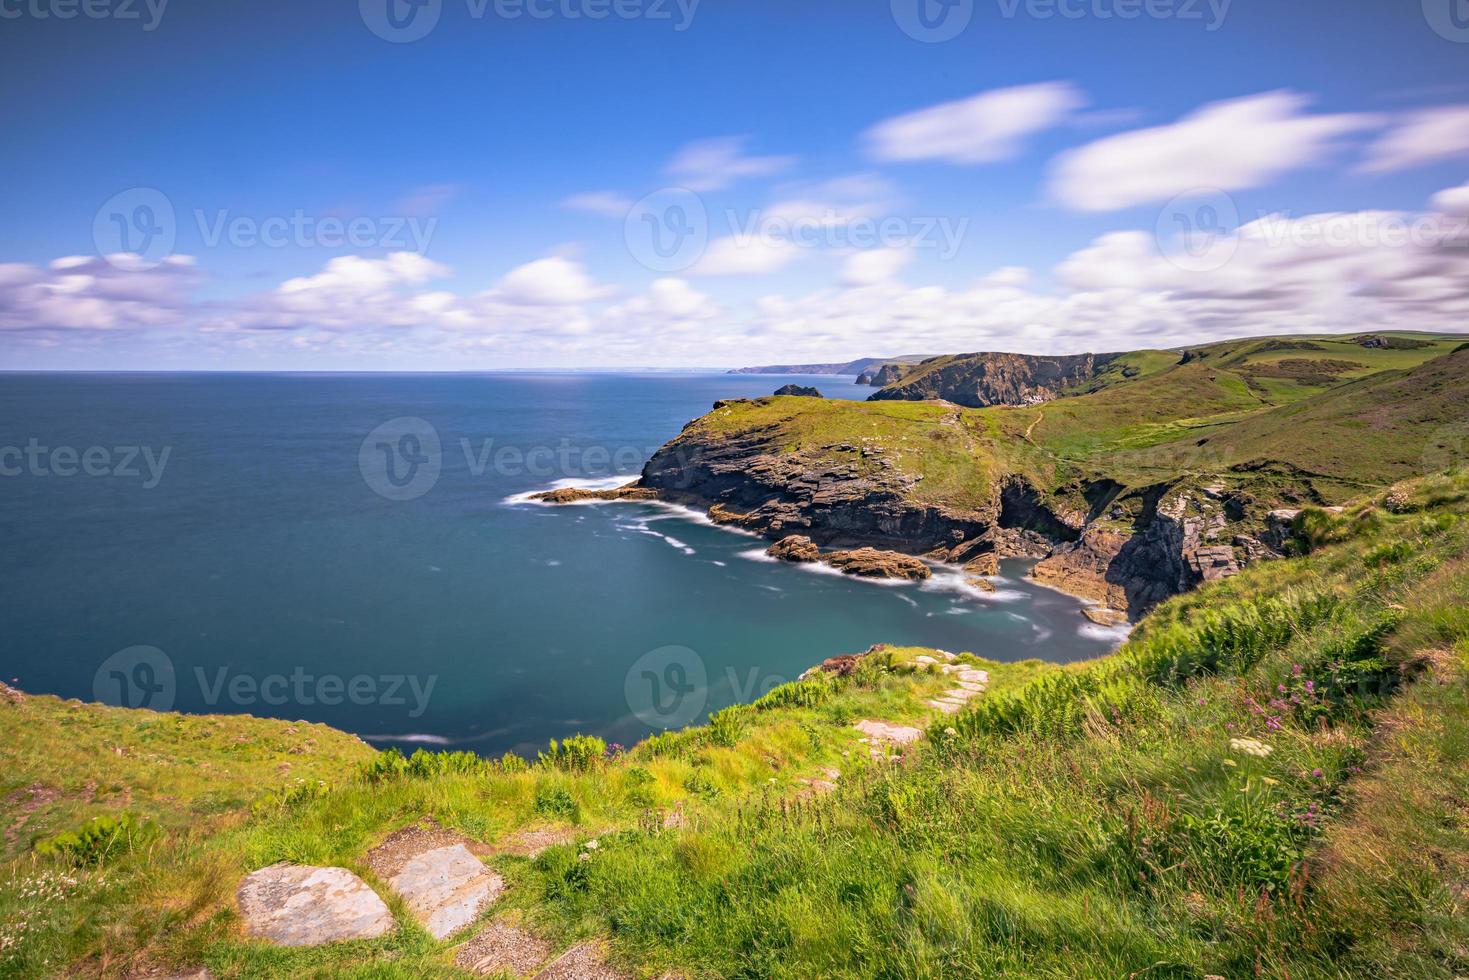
(1107, 819)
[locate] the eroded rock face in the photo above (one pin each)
(983, 379)
(801, 391)
(300, 905)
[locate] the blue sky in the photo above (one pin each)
(489, 134)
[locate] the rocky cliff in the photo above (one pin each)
(983, 379)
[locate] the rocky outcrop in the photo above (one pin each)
(839, 495)
(886, 375)
(875, 563)
(982, 379)
(795, 547)
(864, 562)
(800, 391)
(1177, 542)
(577, 495)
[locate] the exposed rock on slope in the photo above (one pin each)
(979, 380)
(802, 391)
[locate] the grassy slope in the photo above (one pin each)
(1086, 821)
(1170, 420)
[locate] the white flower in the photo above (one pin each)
(950, 731)
(1250, 746)
(590, 845)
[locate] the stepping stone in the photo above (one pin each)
(881, 731)
(299, 905)
(825, 783)
(585, 962)
(443, 883)
(503, 949)
(947, 707)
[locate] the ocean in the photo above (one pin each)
(357, 550)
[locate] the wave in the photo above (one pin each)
(947, 579)
(572, 483)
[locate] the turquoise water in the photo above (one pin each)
(288, 545)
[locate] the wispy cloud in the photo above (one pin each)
(713, 164)
(1226, 146)
(983, 128)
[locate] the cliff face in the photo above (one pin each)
(984, 379)
(885, 375)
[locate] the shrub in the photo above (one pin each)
(100, 838)
(726, 727)
(699, 784)
(578, 753)
(798, 694)
(555, 801)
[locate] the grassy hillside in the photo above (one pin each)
(1268, 779)
(1226, 414)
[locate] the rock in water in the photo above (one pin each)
(299, 905)
(800, 390)
(875, 563)
(794, 547)
(576, 495)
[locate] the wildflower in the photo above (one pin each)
(583, 856)
(1230, 762)
(1317, 773)
(950, 732)
(1250, 746)
(1270, 782)
(591, 845)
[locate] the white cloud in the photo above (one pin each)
(90, 293)
(553, 281)
(1453, 200)
(746, 255)
(983, 128)
(713, 164)
(874, 266)
(1226, 146)
(1421, 137)
(608, 204)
